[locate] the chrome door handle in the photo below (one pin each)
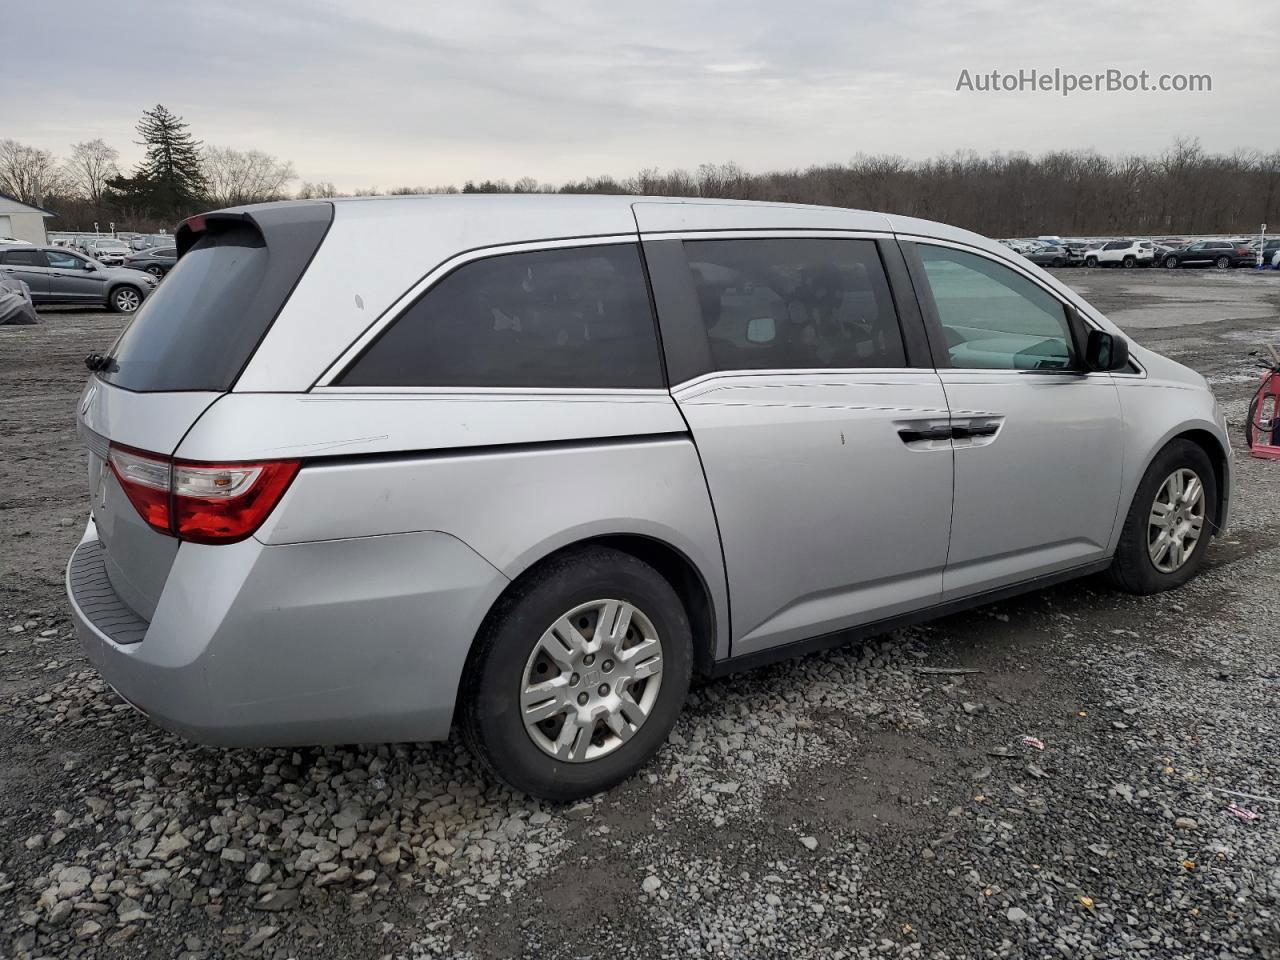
(912, 435)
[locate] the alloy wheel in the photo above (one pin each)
(127, 300)
(591, 681)
(1177, 520)
(1222, 263)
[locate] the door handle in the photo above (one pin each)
(914, 435)
(969, 431)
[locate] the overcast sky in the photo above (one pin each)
(395, 92)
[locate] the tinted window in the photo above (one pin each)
(794, 304)
(993, 317)
(548, 318)
(24, 258)
(194, 332)
(169, 252)
(1115, 246)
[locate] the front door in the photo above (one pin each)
(1038, 445)
(824, 448)
(72, 281)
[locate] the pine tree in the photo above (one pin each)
(170, 176)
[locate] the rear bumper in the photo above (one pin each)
(338, 641)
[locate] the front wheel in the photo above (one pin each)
(1130, 263)
(578, 674)
(1171, 263)
(125, 300)
(1223, 263)
(1168, 525)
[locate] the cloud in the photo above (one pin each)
(400, 92)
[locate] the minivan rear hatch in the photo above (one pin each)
(185, 348)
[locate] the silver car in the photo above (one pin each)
(559, 455)
(58, 275)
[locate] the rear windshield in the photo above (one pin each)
(195, 331)
(199, 328)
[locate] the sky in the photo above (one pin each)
(387, 93)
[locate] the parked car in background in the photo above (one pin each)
(62, 276)
(1122, 253)
(108, 251)
(565, 513)
(156, 261)
(1050, 255)
(11, 240)
(1223, 254)
(1269, 249)
(146, 241)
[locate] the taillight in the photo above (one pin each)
(201, 502)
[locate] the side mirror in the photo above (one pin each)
(90, 266)
(1105, 351)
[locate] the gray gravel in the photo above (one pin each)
(858, 803)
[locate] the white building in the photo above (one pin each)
(21, 221)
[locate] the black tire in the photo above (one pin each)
(489, 698)
(156, 270)
(1223, 263)
(1130, 262)
(1251, 423)
(1058, 262)
(1132, 569)
(1171, 263)
(1090, 261)
(125, 299)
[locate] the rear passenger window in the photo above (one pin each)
(575, 317)
(24, 258)
(788, 304)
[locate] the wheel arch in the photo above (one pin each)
(676, 567)
(1218, 456)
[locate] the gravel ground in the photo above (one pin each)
(858, 803)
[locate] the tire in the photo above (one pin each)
(1171, 263)
(125, 299)
(1129, 263)
(510, 653)
(1223, 263)
(1058, 262)
(1090, 261)
(1133, 569)
(156, 271)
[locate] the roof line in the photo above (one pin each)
(31, 206)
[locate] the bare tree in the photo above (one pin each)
(243, 176)
(29, 174)
(320, 190)
(89, 167)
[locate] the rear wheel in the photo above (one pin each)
(1058, 262)
(155, 271)
(125, 299)
(1130, 262)
(578, 675)
(1168, 526)
(1222, 263)
(1090, 261)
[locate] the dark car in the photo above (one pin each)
(1050, 255)
(157, 261)
(1223, 254)
(59, 275)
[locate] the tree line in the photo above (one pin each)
(1182, 190)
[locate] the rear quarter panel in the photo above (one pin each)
(515, 477)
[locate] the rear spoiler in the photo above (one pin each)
(290, 223)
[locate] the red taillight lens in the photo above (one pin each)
(201, 502)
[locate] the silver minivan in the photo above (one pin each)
(363, 469)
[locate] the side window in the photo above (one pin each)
(799, 303)
(60, 260)
(575, 317)
(993, 317)
(1115, 246)
(24, 258)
